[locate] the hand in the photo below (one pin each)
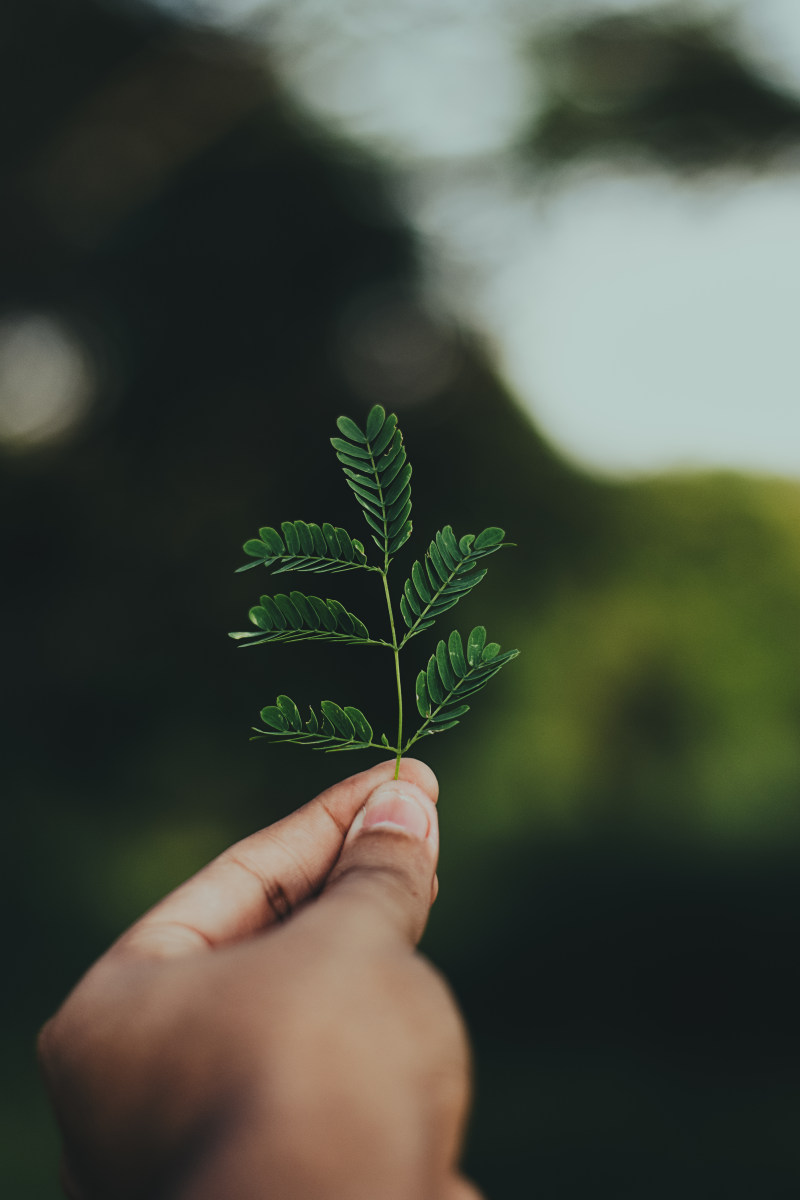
(269, 1030)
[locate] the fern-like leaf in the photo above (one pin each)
(335, 729)
(448, 572)
(305, 547)
(374, 461)
(298, 617)
(454, 673)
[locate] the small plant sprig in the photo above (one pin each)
(377, 471)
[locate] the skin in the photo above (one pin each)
(269, 1030)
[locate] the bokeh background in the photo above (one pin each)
(562, 241)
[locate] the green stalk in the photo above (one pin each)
(395, 647)
(396, 650)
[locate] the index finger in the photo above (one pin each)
(263, 878)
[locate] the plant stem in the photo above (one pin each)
(396, 650)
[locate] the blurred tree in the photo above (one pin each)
(664, 86)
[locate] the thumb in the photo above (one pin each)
(381, 888)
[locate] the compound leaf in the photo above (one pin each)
(377, 472)
(448, 572)
(302, 546)
(298, 617)
(337, 729)
(451, 676)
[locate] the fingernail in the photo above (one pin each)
(396, 806)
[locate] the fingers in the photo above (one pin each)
(261, 879)
(382, 886)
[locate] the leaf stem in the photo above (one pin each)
(396, 650)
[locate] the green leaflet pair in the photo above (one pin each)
(377, 471)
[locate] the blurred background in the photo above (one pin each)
(561, 238)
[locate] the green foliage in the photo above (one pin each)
(338, 728)
(299, 617)
(379, 475)
(305, 547)
(447, 573)
(452, 675)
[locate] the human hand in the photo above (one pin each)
(269, 1030)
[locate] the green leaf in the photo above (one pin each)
(340, 728)
(375, 420)
(456, 652)
(290, 712)
(300, 617)
(292, 537)
(346, 546)
(395, 479)
(374, 523)
(260, 617)
(394, 447)
(368, 497)
(272, 539)
(398, 517)
(359, 722)
(489, 539)
(475, 644)
(293, 618)
(308, 548)
(350, 449)
(274, 717)
(449, 571)
(349, 462)
(450, 677)
(385, 436)
(301, 606)
(400, 538)
(420, 583)
(421, 692)
(446, 673)
(338, 719)
(362, 480)
(331, 540)
(276, 617)
(306, 540)
(436, 690)
(350, 430)
(413, 601)
(378, 474)
(438, 563)
(448, 546)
